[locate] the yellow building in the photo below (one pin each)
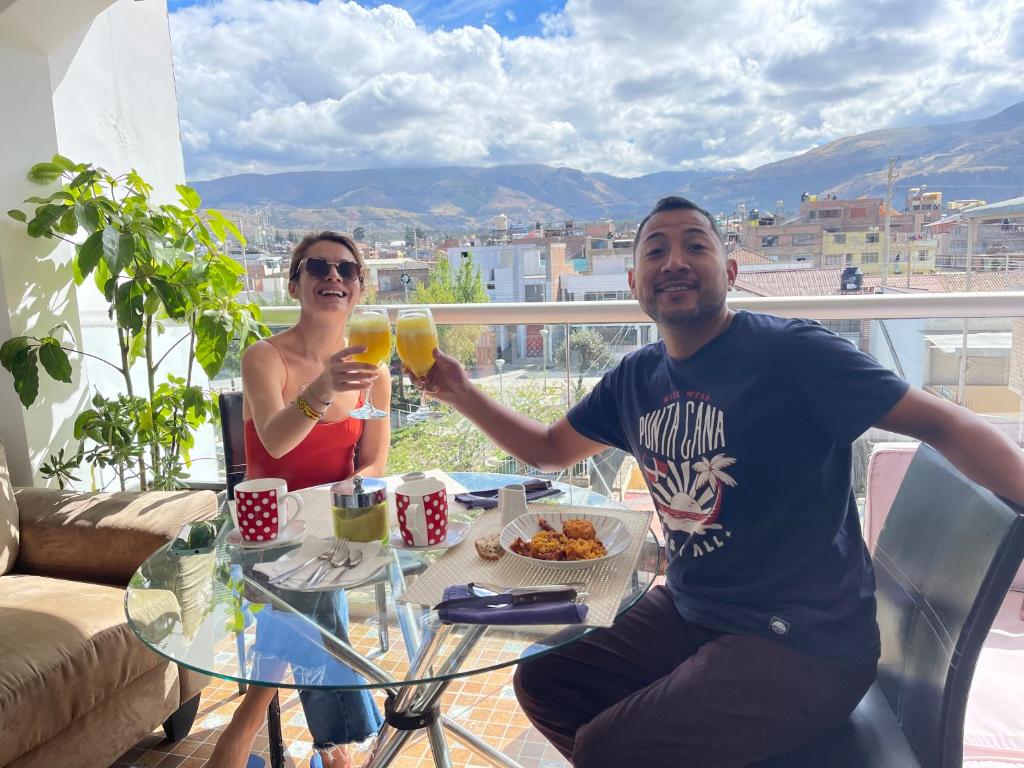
(864, 249)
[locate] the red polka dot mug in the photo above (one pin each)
(261, 510)
(422, 509)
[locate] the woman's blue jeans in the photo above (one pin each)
(333, 716)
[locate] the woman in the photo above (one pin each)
(299, 387)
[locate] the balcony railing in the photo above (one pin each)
(920, 336)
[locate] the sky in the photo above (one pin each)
(625, 87)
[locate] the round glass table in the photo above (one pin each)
(213, 613)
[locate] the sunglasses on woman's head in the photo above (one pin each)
(320, 268)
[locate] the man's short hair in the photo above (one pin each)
(675, 203)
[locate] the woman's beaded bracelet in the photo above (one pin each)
(306, 409)
(325, 403)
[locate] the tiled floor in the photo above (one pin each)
(484, 704)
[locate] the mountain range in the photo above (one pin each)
(965, 160)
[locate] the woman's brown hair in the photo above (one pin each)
(312, 239)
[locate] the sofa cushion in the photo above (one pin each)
(66, 647)
(994, 723)
(8, 518)
(101, 537)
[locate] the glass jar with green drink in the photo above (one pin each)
(360, 509)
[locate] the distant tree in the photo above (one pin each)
(588, 351)
(359, 234)
(410, 237)
(420, 234)
(466, 287)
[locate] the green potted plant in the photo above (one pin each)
(156, 265)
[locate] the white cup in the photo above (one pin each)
(511, 502)
(260, 510)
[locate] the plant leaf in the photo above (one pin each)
(26, 377)
(12, 349)
(68, 221)
(17, 215)
(63, 163)
(171, 296)
(111, 237)
(55, 360)
(125, 250)
(212, 342)
(44, 173)
(88, 216)
(44, 219)
(89, 253)
(189, 196)
(129, 306)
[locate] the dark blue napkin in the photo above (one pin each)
(528, 613)
(536, 489)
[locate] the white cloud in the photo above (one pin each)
(621, 86)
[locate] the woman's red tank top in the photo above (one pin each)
(325, 455)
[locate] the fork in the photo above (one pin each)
(327, 554)
(338, 559)
(343, 561)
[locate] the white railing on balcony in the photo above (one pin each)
(889, 306)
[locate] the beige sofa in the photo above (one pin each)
(77, 687)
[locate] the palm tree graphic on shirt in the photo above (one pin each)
(689, 496)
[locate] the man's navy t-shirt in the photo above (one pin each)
(746, 449)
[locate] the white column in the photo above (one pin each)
(94, 83)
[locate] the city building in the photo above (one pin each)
(395, 279)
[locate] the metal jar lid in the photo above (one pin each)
(359, 492)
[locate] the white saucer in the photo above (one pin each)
(292, 533)
(456, 532)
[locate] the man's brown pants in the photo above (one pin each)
(656, 690)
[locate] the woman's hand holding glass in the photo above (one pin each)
(416, 339)
(371, 330)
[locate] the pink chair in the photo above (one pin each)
(994, 725)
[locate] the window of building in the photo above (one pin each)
(871, 237)
(843, 327)
(922, 255)
(869, 258)
(534, 293)
(839, 239)
(803, 238)
(850, 259)
(835, 259)
(771, 241)
(830, 213)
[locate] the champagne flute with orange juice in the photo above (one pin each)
(370, 328)
(416, 338)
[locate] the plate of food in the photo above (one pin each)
(565, 539)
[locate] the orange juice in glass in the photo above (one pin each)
(416, 339)
(370, 328)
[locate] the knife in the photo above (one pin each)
(522, 596)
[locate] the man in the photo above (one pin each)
(765, 632)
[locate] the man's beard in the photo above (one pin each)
(708, 307)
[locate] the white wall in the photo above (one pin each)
(97, 87)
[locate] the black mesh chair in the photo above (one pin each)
(944, 562)
(233, 435)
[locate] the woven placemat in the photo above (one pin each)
(316, 504)
(606, 582)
